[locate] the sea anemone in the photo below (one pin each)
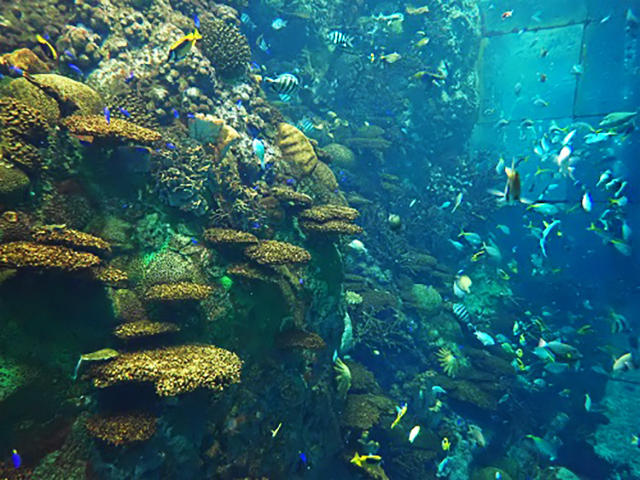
(449, 361)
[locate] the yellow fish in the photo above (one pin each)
(274, 432)
(183, 46)
(446, 444)
(391, 58)
(422, 42)
(476, 256)
(585, 330)
(49, 51)
(360, 460)
(436, 406)
(400, 413)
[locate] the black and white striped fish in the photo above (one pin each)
(283, 84)
(340, 39)
(460, 311)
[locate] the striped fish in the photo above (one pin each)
(283, 84)
(340, 39)
(460, 311)
(306, 125)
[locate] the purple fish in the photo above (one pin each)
(125, 112)
(196, 20)
(15, 456)
(175, 113)
(69, 54)
(107, 115)
(75, 69)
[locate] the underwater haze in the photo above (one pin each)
(319, 239)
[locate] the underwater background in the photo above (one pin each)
(321, 239)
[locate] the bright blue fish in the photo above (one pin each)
(107, 114)
(75, 69)
(15, 457)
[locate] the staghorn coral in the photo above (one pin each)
(297, 150)
(225, 46)
(123, 428)
(68, 237)
(54, 257)
(173, 370)
(291, 197)
(300, 339)
(325, 213)
(227, 236)
(172, 292)
(273, 252)
(143, 329)
(116, 130)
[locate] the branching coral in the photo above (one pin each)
(95, 126)
(171, 292)
(35, 255)
(122, 429)
(143, 329)
(173, 370)
(225, 46)
(61, 235)
(272, 252)
(343, 377)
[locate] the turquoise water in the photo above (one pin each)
(322, 239)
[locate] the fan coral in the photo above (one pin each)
(115, 130)
(35, 255)
(272, 252)
(124, 428)
(343, 377)
(171, 292)
(60, 235)
(143, 328)
(449, 361)
(173, 370)
(225, 46)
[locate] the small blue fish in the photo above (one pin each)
(69, 54)
(290, 181)
(170, 146)
(17, 70)
(175, 113)
(255, 225)
(301, 281)
(303, 457)
(125, 112)
(130, 77)
(75, 69)
(15, 457)
(239, 103)
(107, 115)
(194, 241)
(191, 115)
(196, 20)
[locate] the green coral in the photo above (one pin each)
(425, 297)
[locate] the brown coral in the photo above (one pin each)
(340, 227)
(225, 46)
(14, 226)
(36, 255)
(300, 339)
(13, 183)
(171, 292)
(28, 122)
(96, 126)
(297, 150)
(68, 237)
(112, 276)
(173, 370)
(324, 213)
(364, 411)
(273, 252)
(227, 236)
(291, 197)
(143, 328)
(29, 94)
(71, 96)
(122, 429)
(24, 59)
(250, 272)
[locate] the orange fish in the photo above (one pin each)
(507, 14)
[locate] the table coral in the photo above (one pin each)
(111, 276)
(227, 236)
(68, 237)
(273, 252)
(337, 227)
(291, 197)
(225, 46)
(300, 339)
(171, 292)
(143, 329)
(116, 130)
(71, 96)
(325, 213)
(123, 428)
(173, 370)
(35, 255)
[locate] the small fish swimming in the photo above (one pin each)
(457, 202)
(484, 338)
(361, 460)
(278, 24)
(504, 229)
(391, 57)
(544, 208)
(445, 444)
(47, 48)
(545, 234)
(471, 237)
(400, 412)
(415, 431)
(340, 39)
(75, 69)
(107, 114)
(283, 84)
(457, 245)
(275, 431)
(258, 149)
(16, 459)
(181, 47)
(587, 203)
(460, 311)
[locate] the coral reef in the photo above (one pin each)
(180, 291)
(173, 370)
(71, 96)
(143, 329)
(123, 428)
(111, 276)
(300, 339)
(35, 255)
(291, 197)
(297, 151)
(95, 126)
(13, 183)
(363, 411)
(67, 237)
(224, 45)
(227, 236)
(273, 252)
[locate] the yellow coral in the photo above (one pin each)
(296, 150)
